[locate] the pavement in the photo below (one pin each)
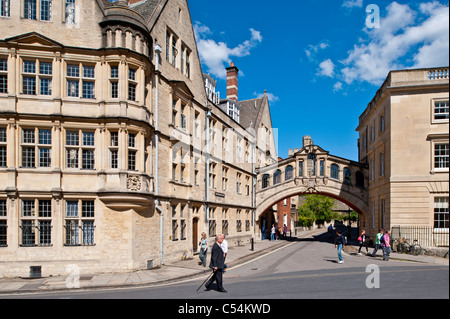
(175, 271)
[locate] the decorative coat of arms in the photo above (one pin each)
(134, 183)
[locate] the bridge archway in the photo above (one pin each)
(312, 170)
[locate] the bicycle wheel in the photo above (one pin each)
(406, 248)
(401, 248)
(416, 250)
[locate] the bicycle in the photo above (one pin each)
(405, 247)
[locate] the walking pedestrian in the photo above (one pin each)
(217, 265)
(203, 249)
(285, 229)
(362, 242)
(330, 230)
(386, 242)
(377, 242)
(224, 246)
(339, 243)
(272, 233)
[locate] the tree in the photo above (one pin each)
(316, 208)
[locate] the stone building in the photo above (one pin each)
(113, 155)
(403, 136)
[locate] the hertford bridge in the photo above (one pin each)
(312, 170)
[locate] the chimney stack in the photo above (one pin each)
(232, 82)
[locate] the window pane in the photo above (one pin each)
(27, 208)
(441, 156)
(70, 11)
(45, 208)
(88, 90)
(45, 86)
(46, 10)
(28, 136)
(45, 68)
(88, 72)
(29, 85)
(73, 88)
(87, 210)
(88, 159)
(72, 209)
(45, 137)
(441, 110)
(88, 138)
(72, 138)
(30, 9)
(44, 157)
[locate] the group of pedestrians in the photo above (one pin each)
(279, 233)
(382, 240)
(218, 255)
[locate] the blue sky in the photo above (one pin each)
(319, 61)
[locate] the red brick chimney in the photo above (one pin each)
(232, 82)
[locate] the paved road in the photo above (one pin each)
(305, 269)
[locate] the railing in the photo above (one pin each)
(427, 236)
(438, 74)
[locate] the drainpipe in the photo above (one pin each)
(208, 149)
(254, 187)
(158, 51)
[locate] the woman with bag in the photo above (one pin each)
(203, 249)
(362, 242)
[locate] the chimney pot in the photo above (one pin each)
(232, 82)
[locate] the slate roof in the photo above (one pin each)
(251, 111)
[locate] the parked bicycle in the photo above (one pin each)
(405, 247)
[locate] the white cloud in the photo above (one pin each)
(312, 50)
(352, 3)
(401, 43)
(337, 87)
(326, 68)
(214, 55)
(272, 98)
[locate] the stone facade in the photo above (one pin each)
(111, 153)
(403, 137)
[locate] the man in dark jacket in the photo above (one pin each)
(217, 265)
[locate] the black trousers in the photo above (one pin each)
(217, 277)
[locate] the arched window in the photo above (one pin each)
(334, 171)
(359, 176)
(265, 181)
(288, 173)
(347, 176)
(277, 177)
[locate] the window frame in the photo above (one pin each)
(75, 223)
(40, 232)
(434, 102)
(82, 161)
(84, 80)
(5, 8)
(3, 75)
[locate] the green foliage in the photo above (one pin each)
(353, 216)
(316, 208)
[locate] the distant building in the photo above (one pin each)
(404, 137)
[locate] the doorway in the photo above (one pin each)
(195, 234)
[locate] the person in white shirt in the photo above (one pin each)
(224, 246)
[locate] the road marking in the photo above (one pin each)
(266, 254)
